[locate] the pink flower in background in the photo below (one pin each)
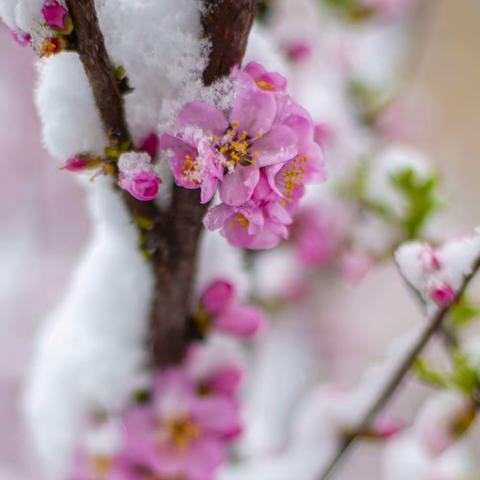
(137, 176)
(55, 14)
(354, 266)
(316, 236)
(214, 368)
(180, 434)
(219, 309)
(298, 50)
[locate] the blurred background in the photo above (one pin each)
(43, 220)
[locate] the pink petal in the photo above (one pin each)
(217, 415)
(225, 380)
(277, 146)
(242, 320)
(255, 111)
(217, 216)
(203, 458)
(218, 295)
(202, 115)
(237, 187)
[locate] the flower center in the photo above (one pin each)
(235, 148)
(241, 220)
(50, 46)
(192, 170)
(293, 176)
(264, 85)
(101, 466)
(182, 431)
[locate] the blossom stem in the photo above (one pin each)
(172, 236)
(434, 324)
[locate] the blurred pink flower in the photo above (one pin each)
(218, 304)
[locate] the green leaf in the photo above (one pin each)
(421, 198)
(352, 10)
(463, 311)
(429, 375)
(465, 373)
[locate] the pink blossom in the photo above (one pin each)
(259, 155)
(298, 50)
(442, 294)
(219, 309)
(55, 14)
(180, 434)
(137, 176)
(316, 236)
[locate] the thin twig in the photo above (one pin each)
(171, 237)
(433, 325)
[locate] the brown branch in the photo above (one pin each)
(434, 324)
(171, 237)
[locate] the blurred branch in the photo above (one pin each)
(434, 324)
(170, 238)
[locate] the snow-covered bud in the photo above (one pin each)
(138, 176)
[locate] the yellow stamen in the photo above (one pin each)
(264, 85)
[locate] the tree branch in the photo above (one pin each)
(171, 237)
(434, 324)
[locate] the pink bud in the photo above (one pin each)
(75, 164)
(54, 14)
(298, 50)
(442, 294)
(218, 296)
(150, 144)
(142, 185)
(240, 320)
(385, 427)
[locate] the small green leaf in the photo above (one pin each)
(463, 311)
(429, 375)
(421, 198)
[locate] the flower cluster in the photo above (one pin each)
(181, 427)
(437, 274)
(50, 37)
(180, 433)
(259, 156)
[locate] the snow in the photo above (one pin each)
(89, 354)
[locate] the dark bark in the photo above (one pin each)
(171, 237)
